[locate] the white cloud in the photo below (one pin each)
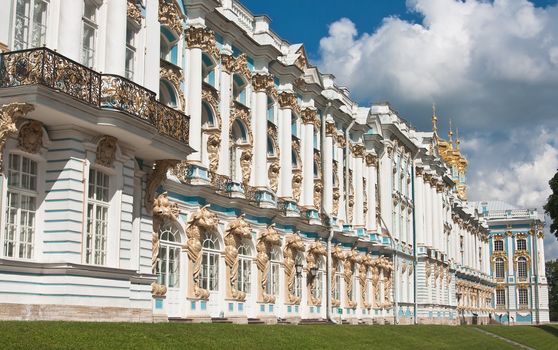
(492, 66)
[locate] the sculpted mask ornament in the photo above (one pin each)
(201, 223)
(10, 114)
(106, 151)
(237, 231)
(164, 212)
(293, 246)
(315, 252)
(30, 138)
(213, 145)
(268, 239)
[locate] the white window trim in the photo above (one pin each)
(31, 15)
(38, 247)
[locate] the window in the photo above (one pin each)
(521, 244)
(21, 207)
(168, 263)
(244, 269)
(319, 279)
(500, 297)
(273, 277)
(522, 267)
(298, 277)
(97, 218)
(30, 23)
(522, 296)
(270, 110)
(130, 51)
(89, 34)
(209, 275)
(499, 245)
(499, 267)
(338, 279)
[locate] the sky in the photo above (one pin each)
(490, 66)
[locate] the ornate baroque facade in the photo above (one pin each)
(210, 172)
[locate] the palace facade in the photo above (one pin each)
(177, 160)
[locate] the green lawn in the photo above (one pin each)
(70, 335)
(538, 337)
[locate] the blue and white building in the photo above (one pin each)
(178, 160)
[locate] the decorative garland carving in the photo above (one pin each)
(268, 239)
(164, 211)
(272, 132)
(157, 176)
(10, 114)
(297, 183)
(337, 256)
(273, 174)
(351, 259)
(213, 145)
(106, 151)
(170, 16)
(315, 252)
(336, 193)
(293, 246)
(318, 188)
(201, 222)
(238, 230)
(30, 137)
(364, 196)
(245, 165)
(133, 12)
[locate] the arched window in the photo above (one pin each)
(271, 110)
(238, 139)
(208, 118)
(244, 268)
(168, 263)
(521, 244)
(299, 260)
(209, 275)
(21, 207)
(499, 245)
(167, 94)
(522, 267)
(499, 267)
(168, 47)
(239, 89)
(273, 277)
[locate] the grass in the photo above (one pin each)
(76, 335)
(538, 337)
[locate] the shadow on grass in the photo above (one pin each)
(549, 329)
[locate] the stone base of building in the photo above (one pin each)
(46, 312)
(438, 321)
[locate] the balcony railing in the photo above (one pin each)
(106, 91)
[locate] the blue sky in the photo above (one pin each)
(490, 66)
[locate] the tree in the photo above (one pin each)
(551, 206)
(552, 278)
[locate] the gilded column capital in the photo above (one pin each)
(308, 116)
(170, 16)
(261, 82)
(134, 13)
(203, 38)
(227, 63)
(419, 171)
(358, 150)
(340, 140)
(286, 100)
(331, 130)
(371, 159)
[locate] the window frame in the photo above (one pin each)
(498, 261)
(210, 254)
(522, 268)
(30, 26)
(522, 297)
(497, 246)
(94, 26)
(500, 299)
(523, 244)
(165, 246)
(96, 203)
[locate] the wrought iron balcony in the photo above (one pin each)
(45, 67)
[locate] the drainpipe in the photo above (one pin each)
(330, 235)
(415, 260)
(347, 169)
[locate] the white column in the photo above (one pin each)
(371, 191)
(259, 82)
(117, 19)
(358, 215)
(428, 209)
(69, 29)
(341, 215)
(386, 188)
(194, 79)
(327, 154)
(419, 206)
(152, 48)
(225, 94)
(540, 258)
(285, 188)
(307, 197)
